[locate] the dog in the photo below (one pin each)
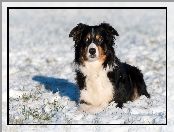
(100, 75)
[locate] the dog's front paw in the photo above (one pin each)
(120, 105)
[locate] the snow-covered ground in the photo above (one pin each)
(42, 88)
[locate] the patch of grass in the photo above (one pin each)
(39, 116)
(56, 105)
(34, 114)
(26, 97)
(27, 114)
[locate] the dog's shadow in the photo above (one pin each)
(63, 86)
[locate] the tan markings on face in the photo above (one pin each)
(83, 55)
(97, 36)
(88, 35)
(102, 55)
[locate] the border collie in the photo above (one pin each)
(100, 75)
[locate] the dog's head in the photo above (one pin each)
(92, 42)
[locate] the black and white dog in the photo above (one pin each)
(100, 75)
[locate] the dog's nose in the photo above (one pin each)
(92, 51)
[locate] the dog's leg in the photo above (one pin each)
(97, 109)
(119, 104)
(136, 78)
(84, 107)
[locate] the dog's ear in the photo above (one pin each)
(76, 31)
(109, 29)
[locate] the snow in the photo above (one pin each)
(42, 88)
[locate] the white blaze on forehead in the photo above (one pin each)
(92, 34)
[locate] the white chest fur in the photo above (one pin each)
(99, 89)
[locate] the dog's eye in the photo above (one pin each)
(87, 39)
(100, 39)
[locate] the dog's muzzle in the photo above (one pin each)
(92, 53)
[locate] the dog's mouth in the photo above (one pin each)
(92, 56)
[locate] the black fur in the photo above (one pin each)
(84, 102)
(124, 77)
(80, 79)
